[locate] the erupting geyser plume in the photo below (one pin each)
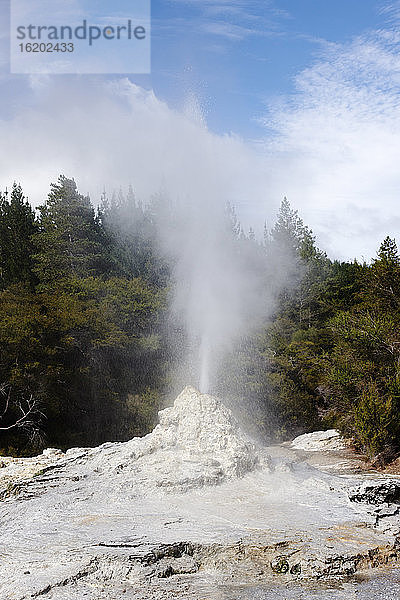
(218, 280)
(219, 287)
(204, 364)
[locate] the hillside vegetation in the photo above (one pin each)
(88, 352)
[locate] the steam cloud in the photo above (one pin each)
(121, 134)
(217, 287)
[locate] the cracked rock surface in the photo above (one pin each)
(197, 510)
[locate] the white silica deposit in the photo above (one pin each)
(165, 515)
(329, 440)
(197, 442)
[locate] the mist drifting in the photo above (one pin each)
(217, 282)
(118, 134)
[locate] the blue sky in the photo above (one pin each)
(235, 56)
(239, 55)
(247, 101)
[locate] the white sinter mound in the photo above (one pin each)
(317, 441)
(197, 442)
(96, 522)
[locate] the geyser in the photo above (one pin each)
(194, 503)
(219, 288)
(197, 442)
(204, 364)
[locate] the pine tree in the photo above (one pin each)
(289, 229)
(388, 252)
(69, 241)
(17, 225)
(382, 284)
(131, 230)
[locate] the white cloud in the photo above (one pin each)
(336, 148)
(391, 10)
(233, 20)
(229, 31)
(117, 133)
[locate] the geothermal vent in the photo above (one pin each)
(197, 442)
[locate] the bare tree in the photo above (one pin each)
(20, 413)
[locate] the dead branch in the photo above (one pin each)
(27, 409)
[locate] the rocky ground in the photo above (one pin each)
(198, 510)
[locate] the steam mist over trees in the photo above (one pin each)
(89, 351)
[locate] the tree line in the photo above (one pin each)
(88, 353)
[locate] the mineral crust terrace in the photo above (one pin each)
(193, 504)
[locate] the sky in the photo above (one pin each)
(246, 100)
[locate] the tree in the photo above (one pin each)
(362, 371)
(17, 226)
(131, 231)
(289, 230)
(80, 351)
(69, 240)
(20, 413)
(383, 281)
